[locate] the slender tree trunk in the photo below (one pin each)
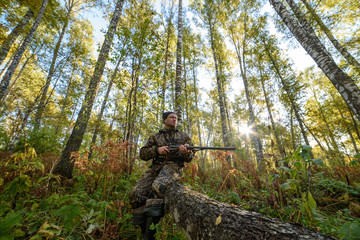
(8, 42)
(330, 131)
(17, 57)
(103, 106)
(315, 138)
(165, 75)
(6, 66)
(186, 88)
(18, 75)
(342, 50)
(131, 109)
(355, 124)
(241, 60)
(279, 145)
(292, 129)
(178, 75)
(291, 98)
(62, 68)
(14, 140)
(196, 115)
(34, 53)
(65, 101)
(42, 105)
(129, 101)
(342, 82)
(219, 88)
(66, 162)
(210, 132)
(348, 130)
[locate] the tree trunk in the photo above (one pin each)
(342, 50)
(65, 101)
(186, 101)
(292, 129)
(103, 106)
(178, 80)
(355, 124)
(15, 138)
(342, 82)
(132, 103)
(8, 42)
(348, 130)
(294, 106)
(219, 88)
(201, 217)
(17, 56)
(330, 131)
(279, 145)
(6, 66)
(165, 75)
(315, 138)
(241, 60)
(66, 162)
(42, 104)
(197, 112)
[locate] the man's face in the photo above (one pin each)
(171, 121)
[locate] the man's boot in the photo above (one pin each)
(154, 211)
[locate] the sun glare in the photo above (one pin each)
(244, 129)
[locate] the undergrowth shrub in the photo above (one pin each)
(296, 189)
(34, 204)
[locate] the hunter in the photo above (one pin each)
(146, 197)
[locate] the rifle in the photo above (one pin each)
(198, 148)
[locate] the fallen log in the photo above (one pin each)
(201, 217)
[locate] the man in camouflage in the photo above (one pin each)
(146, 196)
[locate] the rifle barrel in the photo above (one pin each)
(172, 147)
(211, 148)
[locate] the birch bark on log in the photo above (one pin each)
(201, 217)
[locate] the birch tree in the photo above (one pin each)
(18, 29)
(340, 47)
(66, 162)
(289, 89)
(4, 85)
(207, 12)
(311, 43)
(178, 74)
(71, 7)
(239, 33)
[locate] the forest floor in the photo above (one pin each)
(34, 204)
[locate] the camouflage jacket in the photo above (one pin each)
(166, 137)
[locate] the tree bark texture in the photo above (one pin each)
(17, 57)
(342, 82)
(66, 163)
(178, 79)
(201, 217)
(342, 50)
(6, 45)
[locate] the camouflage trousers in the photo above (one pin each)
(153, 183)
